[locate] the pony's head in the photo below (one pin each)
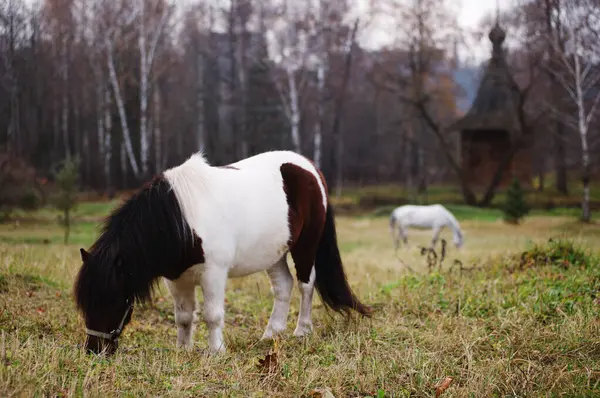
(104, 298)
(144, 239)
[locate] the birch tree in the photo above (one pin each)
(95, 58)
(322, 66)
(579, 76)
(148, 40)
(289, 44)
(116, 21)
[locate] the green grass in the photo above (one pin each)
(506, 325)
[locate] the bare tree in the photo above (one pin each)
(11, 25)
(289, 42)
(337, 116)
(148, 40)
(426, 30)
(327, 30)
(579, 76)
(555, 32)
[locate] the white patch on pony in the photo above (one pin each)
(434, 216)
(241, 215)
(278, 158)
(282, 283)
(304, 325)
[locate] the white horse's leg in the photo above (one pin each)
(281, 284)
(213, 281)
(183, 291)
(304, 325)
(396, 234)
(400, 234)
(436, 234)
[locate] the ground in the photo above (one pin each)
(499, 327)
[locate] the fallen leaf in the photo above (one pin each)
(269, 363)
(40, 310)
(321, 393)
(443, 386)
(58, 294)
(29, 294)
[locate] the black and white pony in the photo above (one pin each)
(199, 225)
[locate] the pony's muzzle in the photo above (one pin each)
(100, 346)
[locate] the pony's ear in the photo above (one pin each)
(84, 255)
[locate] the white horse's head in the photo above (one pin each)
(458, 239)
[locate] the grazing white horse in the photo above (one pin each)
(435, 217)
(198, 225)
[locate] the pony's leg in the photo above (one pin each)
(213, 281)
(304, 325)
(183, 291)
(281, 284)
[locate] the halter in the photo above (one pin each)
(113, 336)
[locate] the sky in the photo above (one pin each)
(470, 14)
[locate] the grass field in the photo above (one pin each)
(497, 328)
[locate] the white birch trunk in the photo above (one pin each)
(144, 141)
(579, 78)
(200, 133)
(585, 158)
(582, 126)
(122, 115)
(318, 135)
(146, 60)
(321, 70)
(100, 117)
(294, 110)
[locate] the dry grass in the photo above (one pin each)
(531, 332)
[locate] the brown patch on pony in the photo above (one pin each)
(306, 216)
(194, 254)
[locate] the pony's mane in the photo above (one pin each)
(142, 237)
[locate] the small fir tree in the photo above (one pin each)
(66, 197)
(515, 207)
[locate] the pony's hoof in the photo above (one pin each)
(218, 350)
(270, 333)
(185, 346)
(303, 330)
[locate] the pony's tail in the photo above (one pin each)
(331, 282)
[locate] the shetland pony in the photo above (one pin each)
(196, 224)
(433, 216)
